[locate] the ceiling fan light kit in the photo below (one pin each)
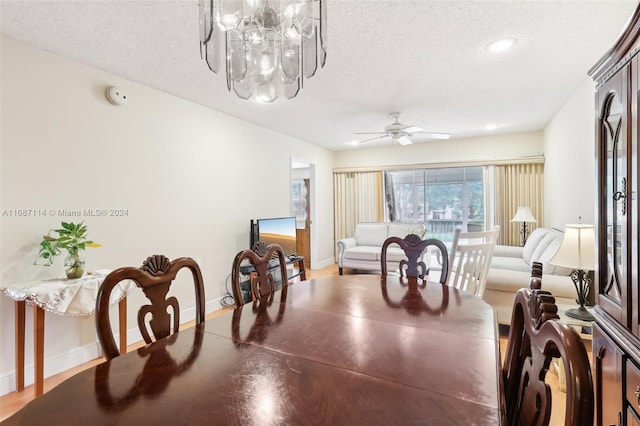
(401, 133)
(404, 140)
(267, 47)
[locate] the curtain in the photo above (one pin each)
(357, 198)
(489, 199)
(517, 185)
(390, 202)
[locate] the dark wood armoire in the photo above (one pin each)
(616, 335)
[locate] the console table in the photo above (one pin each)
(61, 296)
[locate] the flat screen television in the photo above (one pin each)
(280, 230)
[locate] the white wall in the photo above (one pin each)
(190, 178)
(569, 171)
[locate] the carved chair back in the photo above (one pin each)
(262, 281)
(154, 277)
(536, 336)
(413, 247)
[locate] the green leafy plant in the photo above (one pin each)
(72, 237)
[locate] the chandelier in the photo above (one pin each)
(267, 47)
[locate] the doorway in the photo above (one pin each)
(301, 184)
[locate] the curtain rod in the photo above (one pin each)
(531, 159)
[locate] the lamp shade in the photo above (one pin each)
(524, 215)
(577, 249)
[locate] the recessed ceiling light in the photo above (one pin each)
(501, 45)
(491, 126)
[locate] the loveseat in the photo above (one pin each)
(510, 270)
(362, 251)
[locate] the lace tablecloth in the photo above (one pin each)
(68, 297)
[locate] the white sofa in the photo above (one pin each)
(362, 251)
(511, 269)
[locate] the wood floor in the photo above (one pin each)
(13, 401)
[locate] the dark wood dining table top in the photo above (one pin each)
(350, 349)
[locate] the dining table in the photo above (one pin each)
(358, 349)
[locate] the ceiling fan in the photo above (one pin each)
(401, 133)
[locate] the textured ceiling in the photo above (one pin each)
(425, 59)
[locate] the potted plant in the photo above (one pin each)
(72, 237)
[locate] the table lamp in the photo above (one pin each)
(577, 251)
(524, 215)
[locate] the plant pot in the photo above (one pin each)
(74, 266)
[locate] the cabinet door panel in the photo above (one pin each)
(632, 385)
(613, 197)
(634, 128)
(607, 359)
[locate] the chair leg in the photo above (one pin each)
(339, 271)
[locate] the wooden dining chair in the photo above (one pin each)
(536, 336)
(414, 247)
(470, 259)
(264, 260)
(154, 277)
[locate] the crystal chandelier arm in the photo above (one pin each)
(291, 89)
(310, 55)
(323, 32)
(206, 20)
(228, 61)
(290, 60)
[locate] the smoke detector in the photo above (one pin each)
(116, 96)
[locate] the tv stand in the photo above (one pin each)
(300, 270)
(274, 265)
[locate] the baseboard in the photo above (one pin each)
(52, 365)
(324, 263)
(79, 355)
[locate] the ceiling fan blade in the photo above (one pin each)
(371, 140)
(413, 129)
(431, 135)
(370, 133)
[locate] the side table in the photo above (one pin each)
(584, 329)
(61, 296)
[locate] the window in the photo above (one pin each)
(441, 198)
(299, 197)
